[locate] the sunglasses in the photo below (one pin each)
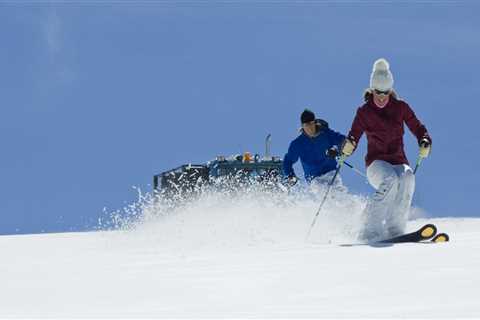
(382, 92)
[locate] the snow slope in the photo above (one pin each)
(214, 262)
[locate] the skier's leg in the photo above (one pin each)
(319, 184)
(337, 184)
(397, 220)
(383, 177)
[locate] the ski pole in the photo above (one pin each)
(355, 169)
(333, 153)
(340, 163)
(419, 161)
(425, 143)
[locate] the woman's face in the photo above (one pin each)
(381, 97)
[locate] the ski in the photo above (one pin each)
(441, 237)
(426, 232)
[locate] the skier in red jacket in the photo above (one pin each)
(382, 119)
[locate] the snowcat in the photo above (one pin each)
(234, 171)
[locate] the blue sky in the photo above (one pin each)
(96, 97)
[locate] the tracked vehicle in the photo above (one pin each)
(233, 171)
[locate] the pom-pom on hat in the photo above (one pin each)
(381, 77)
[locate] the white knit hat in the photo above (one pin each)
(381, 77)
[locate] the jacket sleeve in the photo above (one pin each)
(358, 127)
(415, 126)
(290, 158)
(336, 138)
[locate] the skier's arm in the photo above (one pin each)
(290, 158)
(415, 126)
(357, 129)
(336, 138)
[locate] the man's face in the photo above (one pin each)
(310, 128)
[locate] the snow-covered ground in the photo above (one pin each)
(215, 263)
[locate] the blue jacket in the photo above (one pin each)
(312, 152)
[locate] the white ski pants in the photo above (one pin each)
(387, 211)
(319, 184)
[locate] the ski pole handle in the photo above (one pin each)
(425, 148)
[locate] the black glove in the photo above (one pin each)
(332, 152)
(425, 147)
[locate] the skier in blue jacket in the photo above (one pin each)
(316, 147)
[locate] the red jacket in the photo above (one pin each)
(384, 129)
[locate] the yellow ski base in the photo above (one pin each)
(428, 232)
(442, 237)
